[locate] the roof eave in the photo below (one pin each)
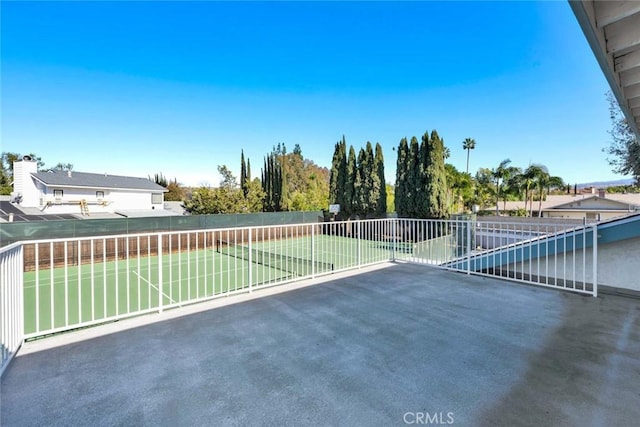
(164, 190)
(598, 44)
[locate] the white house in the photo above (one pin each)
(594, 208)
(583, 206)
(80, 192)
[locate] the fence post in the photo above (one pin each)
(250, 261)
(358, 237)
(469, 223)
(595, 259)
(394, 224)
(313, 251)
(160, 292)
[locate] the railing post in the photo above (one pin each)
(250, 261)
(358, 237)
(394, 224)
(469, 223)
(595, 259)
(313, 251)
(160, 292)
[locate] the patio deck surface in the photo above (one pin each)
(386, 347)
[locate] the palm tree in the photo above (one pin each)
(468, 144)
(446, 153)
(539, 175)
(500, 174)
(555, 182)
(526, 182)
(510, 184)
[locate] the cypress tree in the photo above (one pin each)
(272, 184)
(370, 180)
(343, 178)
(276, 184)
(359, 185)
(414, 178)
(381, 205)
(282, 184)
(421, 199)
(436, 178)
(338, 176)
(349, 184)
(266, 185)
(243, 174)
(400, 200)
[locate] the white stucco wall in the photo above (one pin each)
(129, 200)
(617, 265)
(113, 200)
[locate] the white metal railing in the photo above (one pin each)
(555, 255)
(549, 254)
(55, 285)
(11, 303)
(71, 283)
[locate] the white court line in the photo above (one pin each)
(171, 299)
(86, 276)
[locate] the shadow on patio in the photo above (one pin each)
(386, 347)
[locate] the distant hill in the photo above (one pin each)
(604, 184)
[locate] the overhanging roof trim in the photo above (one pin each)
(85, 180)
(620, 53)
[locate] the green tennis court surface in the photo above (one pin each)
(80, 294)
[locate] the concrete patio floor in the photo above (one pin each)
(398, 345)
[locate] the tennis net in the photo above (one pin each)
(298, 266)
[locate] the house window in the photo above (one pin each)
(57, 194)
(99, 194)
(156, 198)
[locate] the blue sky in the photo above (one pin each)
(136, 88)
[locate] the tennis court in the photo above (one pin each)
(83, 293)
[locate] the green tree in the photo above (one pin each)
(338, 177)
(435, 178)
(243, 174)
(468, 144)
(500, 174)
(272, 182)
(460, 189)
(349, 192)
(415, 182)
(253, 199)
(511, 187)
(372, 185)
(228, 179)
(291, 182)
(381, 205)
(160, 180)
(8, 158)
(63, 166)
(400, 191)
(176, 192)
(390, 191)
(624, 149)
(202, 202)
(485, 188)
(360, 202)
(539, 176)
(227, 198)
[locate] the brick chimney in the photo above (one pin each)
(602, 192)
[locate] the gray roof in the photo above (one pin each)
(96, 180)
